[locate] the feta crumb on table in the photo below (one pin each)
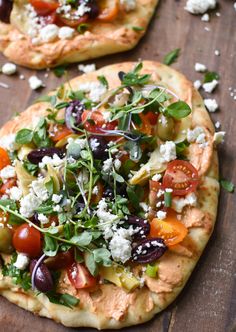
(35, 83)
(205, 18)
(210, 86)
(219, 137)
(211, 105)
(197, 84)
(9, 68)
(199, 67)
(200, 6)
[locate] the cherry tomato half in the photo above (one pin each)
(27, 240)
(80, 276)
(108, 10)
(44, 7)
(62, 20)
(59, 132)
(94, 122)
(170, 230)
(4, 158)
(181, 176)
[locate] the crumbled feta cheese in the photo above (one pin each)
(94, 143)
(210, 86)
(205, 18)
(197, 135)
(197, 84)
(95, 190)
(15, 193)
(43, 219)
(107, 165)
(38, 188)
(235, 5)
(219, 137)
(144, 206)
(129, 5)
(117, 164)
(217, 124)
(211, 105)
(120, 244)
(49, 33)
(35, 83)
(199, 67)
(9, 68)
(105, 216)
(8, 142)
(22, 261)
(28, 204)
(156, 177)
(168, 151)
(21, 77)
(179, 203)
(161, 215)
(57, 208)
(94, 89)
(87, 68)
(7, 172)
(56, 198)
(168, 190)
(200, 6)
(217, 52)
(66, 33)
(54, 161)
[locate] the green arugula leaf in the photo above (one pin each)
(227, 185)
(171, 57)
(211, 76)
(24, 136)
(181, 146)
(178, 110)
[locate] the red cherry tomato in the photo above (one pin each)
(4, 158)
(43, 7)
(151, 117)
(59, 132)
(80, 276)
(7, 185)
(27, 240)
(62, 20)
(181, 176)
(94, 122)
(109, 10)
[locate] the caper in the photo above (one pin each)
(165, 128)
(6, 240)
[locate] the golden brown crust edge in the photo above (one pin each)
(208, 199)
(103, 39)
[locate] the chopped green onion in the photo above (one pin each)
(168, 199)
(151, 270)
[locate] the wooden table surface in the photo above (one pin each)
(208, 302)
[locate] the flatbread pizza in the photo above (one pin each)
(109, 195)
(47, 33)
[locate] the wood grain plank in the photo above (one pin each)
(208, 300)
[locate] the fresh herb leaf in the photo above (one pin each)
(102, 256)
(178, 110)
(137, 28)
(134, 78)
(59, 71)
(181, 146)
(50, 246)
(24, 136)
(135, 194)
(30, 168)
(168, 199)
(91, 264)
(171, 57)
(135, 151)
(82, 28)
(211, 76)
(83, 239)
(102, 79)
(227, 185)
(63, 299)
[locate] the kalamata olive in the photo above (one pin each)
(6, 240)
(142, 226)
(43, 280)
(148, 250)
(73, 114)
(61, 261)
(99, 147)
(165, 128)
(121, 189)
(94, 10)
(36, 156)
(108, 193)
(5, 10)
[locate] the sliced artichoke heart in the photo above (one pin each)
(181, 128)
(52, 174)
(24, 178)
(153, 166)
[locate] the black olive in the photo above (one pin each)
(73, 114)
(94, 10)
(142, 226)
(5, 10)
(36, 156)
(43, 279)
(148, 250)
(108, 193)
(99, 147)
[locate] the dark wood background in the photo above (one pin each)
(208, 302)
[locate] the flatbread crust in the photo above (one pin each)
(101, 39)
(112, 307)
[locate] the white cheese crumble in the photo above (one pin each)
(66, 33)
(94, 89)
(211, 105)
(56, 198)
(197, 84)
(156, 177)
(8, 142)
(199, 67)
(7, 172)
(179, 203)
(144, 206)
(200, 6)
(28, 204)
(205, 18)
(168, 151)
(217, 52)
(9, 68)
(42, 218)
(54, 161)
(22, 261)
(87, 68)
(38, 188)
(161, 215)
(210, 86)
(107, 165)
(235, 5)
(129, 5)
(217, 124)
(105, 216)
(15, 193)
(219, 137)
(49, 33)
(117, 164)
(120, 244)
(95, 190)
(35, 83)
